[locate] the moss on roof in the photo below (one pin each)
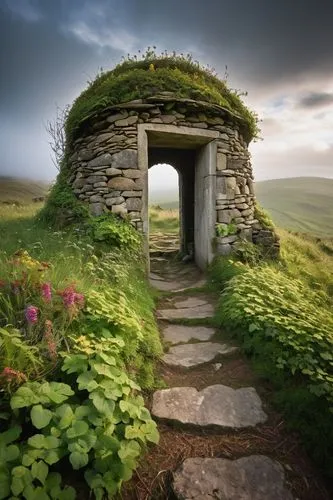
(139, 79)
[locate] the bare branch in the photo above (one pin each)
(56, 131)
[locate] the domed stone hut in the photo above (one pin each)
(168, 109)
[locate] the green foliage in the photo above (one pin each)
(263, 217)
(115, 231)
(271, 307)
(93, 421)
(62, 208)
(225, 229)
(135, 78)
(247, 252)
(101, 427)
(222, 269)
(287, 328)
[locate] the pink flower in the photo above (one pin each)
(31, 314)
(72, 299)
(46, 292)
(10, 374)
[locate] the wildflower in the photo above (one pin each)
(9, 374)
(46, 292)
(72, 300)
(31, 314)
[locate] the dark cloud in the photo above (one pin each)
(316, 100)
(49, 49)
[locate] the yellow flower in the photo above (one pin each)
(151, 67)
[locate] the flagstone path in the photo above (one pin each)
(198, 403)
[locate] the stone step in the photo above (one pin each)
(175, 334)
(199, 312)
(217, 405)
(188, 355)
(256, 477)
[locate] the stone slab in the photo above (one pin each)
(188, 355)
(154, 276)
(204, 311)
(175, 334)
(256, 477)
(216, 405)
(190, 302)
(164, 286)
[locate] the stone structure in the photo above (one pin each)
(206, 144)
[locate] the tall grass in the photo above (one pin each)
(163, 220)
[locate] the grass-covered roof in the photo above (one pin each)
(139, 78)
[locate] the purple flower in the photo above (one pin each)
(46, 292)
(31, 314)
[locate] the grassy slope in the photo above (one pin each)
(20, 191)
(301, 204)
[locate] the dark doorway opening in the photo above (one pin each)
(183, 161)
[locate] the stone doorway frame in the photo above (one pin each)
(204, 142)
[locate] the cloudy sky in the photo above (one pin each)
(280, 51)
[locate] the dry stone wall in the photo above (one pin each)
(105, 172)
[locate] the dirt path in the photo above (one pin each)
(219, 436)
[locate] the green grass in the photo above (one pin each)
(20, 191)
(302, 204)
(163, 220)
(137, 79)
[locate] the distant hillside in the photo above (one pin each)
(20, 191)
(301, 204)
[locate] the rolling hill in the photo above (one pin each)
(302, 204)
(20, 191)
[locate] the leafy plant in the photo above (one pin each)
(114, 231)
(226, 229)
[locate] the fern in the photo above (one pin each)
(16, 354)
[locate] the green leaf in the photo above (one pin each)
(66, 415)
(21, 477)
(78, 428)
(23, 397)
(82, 411)
(4, 484)
(40, 470)
(150, 431)
(87, 381)
(59, 392)
(40, 416)
(10, 435)
(51, 442)
(37, 441)
(104, 406)
(68, 493)
(78, 460)
(40, 494)
(52, 456)
(75, 363)
(12, 452)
